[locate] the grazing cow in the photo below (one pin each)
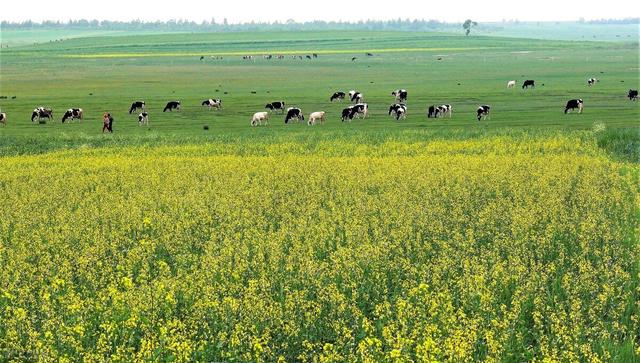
(401, 95)
(592, 81)
(315, 116)
(445, 110)
(275, 106)
(337, 96)
(398, 110)
(369, 54)
(213, 102)
(573, 104)
(137, 105)
(355, 96)
(315, 55)
(529, 82)
(171, 105)
(353, 59)
(439, 111)
(433, 111)
(633, 95)
(40, 113)
(72, 114)
(3, 118)
(347, 114)
(483, 112)
(143, 118)
(361, 110)
(259, 117)
(308, 57)
(355, 111)
(511, 84)
(293, 113)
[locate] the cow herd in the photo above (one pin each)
(358, 110)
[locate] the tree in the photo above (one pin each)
(468, 24)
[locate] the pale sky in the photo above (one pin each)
(300, 10)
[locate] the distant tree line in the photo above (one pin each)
(615, 21)
(215, 26)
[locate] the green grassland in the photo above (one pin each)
(435, 68)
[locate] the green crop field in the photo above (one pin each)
(510, 239)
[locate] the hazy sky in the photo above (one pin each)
(300, 10)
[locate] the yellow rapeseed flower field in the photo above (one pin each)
(456, 251)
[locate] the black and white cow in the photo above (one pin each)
(3, 118)
(40, 113)
(72, 114)
(143, 118)
(213, 102)
(355, 96)
(433, 111)
(275, 106)
(136, 105)
(293, 113)
(398, 110)
(347, 114)
(400, 94)
(337, 96)
(633, 95)
(529, 82)
(573, 104)
(592, 81)
(483, 112)
(444, 110)
(172, 105)
(360, 110)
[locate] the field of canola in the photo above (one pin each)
(491, 249)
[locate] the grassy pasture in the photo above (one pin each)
(158, 68)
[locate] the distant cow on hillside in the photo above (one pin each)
(275, 106)
(293, 113)
(483, 112)
(400, 94)
(143, 118)
(573, 104)
(3, 119)
(592, 81)
(355, 111)
(529, 83)
(72, 114)
(315, 116)
(355, 96)
(511, 84)
(136, 105)
(260, 117)
(337, 96)
(633, 95)
(213, 102)
(172, 105)
(398, 110)
(40, 113)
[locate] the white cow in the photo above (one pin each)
(259, 117)
(511, 84)
(3, 118)
(316, 116)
